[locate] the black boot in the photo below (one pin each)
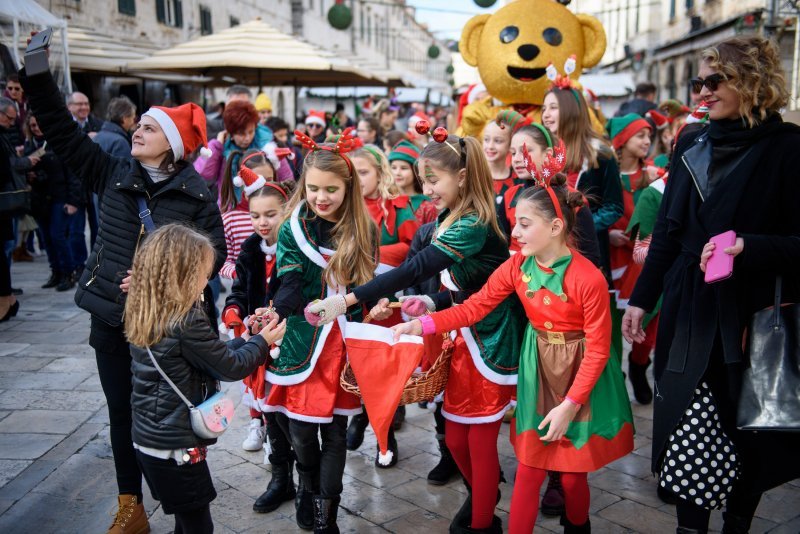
(637, 374)
(684, 530)
(53, 281)
(67, 282)
(666, 495)
(325, 511)
(392, 448)
(553, 498)
(304, 500)
(399, 417)
(462, 526)
(355, 430)
(279, 490)
(735, 524)
(446, 469)
(569, 528)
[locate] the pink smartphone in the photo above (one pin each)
(720, 265)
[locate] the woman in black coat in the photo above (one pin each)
(156, 187)
(740, 174)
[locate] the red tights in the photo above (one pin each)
(474, 448)
(525, 498)
(640, 352)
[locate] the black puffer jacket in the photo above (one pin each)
(184, 198)
(194, 358)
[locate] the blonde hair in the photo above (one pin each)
(164, 277)
(752, 68)
(355, 238)
(477, 195)
(387, 188)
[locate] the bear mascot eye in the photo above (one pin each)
(552, 36)
(508, 34)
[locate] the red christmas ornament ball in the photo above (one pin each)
(422, 127)
(440, 134)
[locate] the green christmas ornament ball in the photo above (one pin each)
(433, 52)
(485, 3)
(340, 16)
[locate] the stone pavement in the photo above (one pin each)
(57, 473)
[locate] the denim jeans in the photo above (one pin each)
(67, 237)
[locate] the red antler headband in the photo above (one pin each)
(347, 142)
(550, 167)
(440, 136)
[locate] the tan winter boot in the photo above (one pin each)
(131, 517)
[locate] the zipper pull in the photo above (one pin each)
(90, 281)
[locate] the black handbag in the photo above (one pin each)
(770, 395)
(15, 196)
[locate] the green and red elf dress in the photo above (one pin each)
(624, 271)
(565, 354)
(305, 376)
(422, 206)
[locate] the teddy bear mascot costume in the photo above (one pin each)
(512, 49)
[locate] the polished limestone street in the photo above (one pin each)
(57, 473)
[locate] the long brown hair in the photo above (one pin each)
(387, 188)
(354, 236)
(227, 193)
(164, 275)
(575, 129)
(477, 195)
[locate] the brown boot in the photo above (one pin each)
(131, 517)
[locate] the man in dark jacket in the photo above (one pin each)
(114, 136)
(158, 186)
(643, 100)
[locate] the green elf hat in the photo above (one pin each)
(620, 129)
(404, 151)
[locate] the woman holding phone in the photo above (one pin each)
(737, 174)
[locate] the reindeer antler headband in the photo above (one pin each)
(550, 166)
(347, 142)
(564, 83)
(440, 136)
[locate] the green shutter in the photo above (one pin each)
(161, 12)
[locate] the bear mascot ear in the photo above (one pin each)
(594, 40)
(471, 39)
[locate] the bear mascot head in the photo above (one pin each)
(512, 49)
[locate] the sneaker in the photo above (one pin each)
(255, 436)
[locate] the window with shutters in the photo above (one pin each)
(127, 7)
(205, 21)
(170, 12)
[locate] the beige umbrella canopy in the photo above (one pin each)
(255, 53)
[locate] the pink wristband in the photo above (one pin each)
(428, 326)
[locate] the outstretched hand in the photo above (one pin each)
(412, 328)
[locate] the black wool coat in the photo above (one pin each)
(250, 290)
(185, 198)
(702, 326)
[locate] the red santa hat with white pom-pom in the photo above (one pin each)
(184, 126)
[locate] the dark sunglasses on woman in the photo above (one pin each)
(712, 82)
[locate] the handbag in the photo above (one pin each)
(770, 395)
(15, 195)
(208, 419)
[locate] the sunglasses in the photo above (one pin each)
(313, 126)
(712, 82)
(14, 88)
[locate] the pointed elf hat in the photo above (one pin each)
(184, 126)
(659, 120)
(620, 129)
(382, 367)
(698, 115)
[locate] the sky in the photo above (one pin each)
(446, 18)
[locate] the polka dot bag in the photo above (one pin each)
(700, 463)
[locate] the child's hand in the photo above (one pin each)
(559, 419)
(381, 310)
(617, 238)
(273, 331)
(126, 283)
(413, 328)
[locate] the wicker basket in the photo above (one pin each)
(420, 386)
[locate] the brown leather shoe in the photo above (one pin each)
(131, 517)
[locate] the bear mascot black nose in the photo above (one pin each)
(528, 51)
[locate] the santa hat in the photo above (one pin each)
(249, 180)
(263, 102)
(184, 126)
(415, 118)
(660, 121)
(275, 154)
(474, 92)
(621, 129)
(404, 151)
(316, 117)
(698, 115)
(382, 366)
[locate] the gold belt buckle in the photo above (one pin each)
(556, 338)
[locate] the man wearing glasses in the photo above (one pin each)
(14, 92)
(78, 105)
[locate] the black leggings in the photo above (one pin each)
(696, 517)
(194, 521)
(114, 367)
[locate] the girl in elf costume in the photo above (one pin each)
(327, 245)
(496, 142)
(466, 247)
(253, 286)
(664, 138)
(630, 137)
(393, 215)
(403, 160)
(573, 414)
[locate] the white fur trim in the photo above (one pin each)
(238, 181)
(313, 119)
(382, 334)
(275, 352)
(297, 416)
(467, 420)
(385, 459)
(447, 281)
(348, 411)
(616, 274)
(170, 130)
(300, 238)
(477, 360)
(268, 249)
(269, 151)
(206, 152)
(255, 186)
(298, 378)
(659, 185)
(473, 94)
(383, 268)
